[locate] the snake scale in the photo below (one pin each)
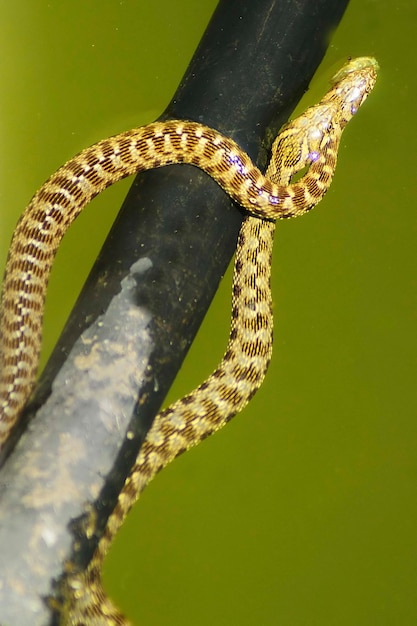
(311, 141)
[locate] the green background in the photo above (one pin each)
(302, 512)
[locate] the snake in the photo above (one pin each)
(309, 142)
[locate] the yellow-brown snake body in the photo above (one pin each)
(61, 199)
(312, 140)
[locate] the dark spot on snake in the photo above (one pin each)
(233, 334)
(312, 186)
(237, 290)
(260, 321)
(186, 400)
(166, 412)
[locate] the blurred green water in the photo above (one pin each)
(302, 512)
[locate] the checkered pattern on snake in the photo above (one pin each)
(312, 141)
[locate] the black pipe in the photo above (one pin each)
(148, 293)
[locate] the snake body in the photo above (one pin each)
(311, 140)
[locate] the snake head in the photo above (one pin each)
(352, 84)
